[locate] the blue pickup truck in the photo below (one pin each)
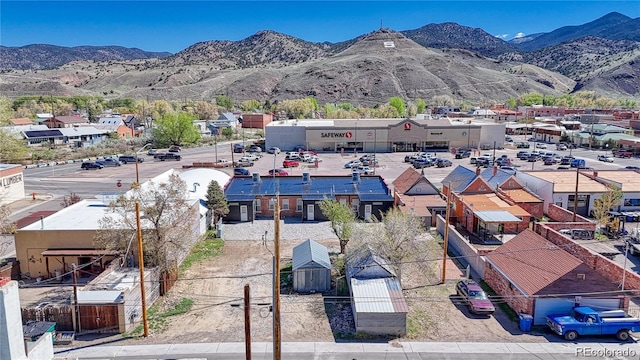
(584, 320)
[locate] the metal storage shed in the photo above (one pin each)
(311, 267)
(379, 306)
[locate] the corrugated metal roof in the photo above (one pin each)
(378, 296)
(459, 178)
(310, 251)
(496, 216)
(99, 297)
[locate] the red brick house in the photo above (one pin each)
(256, 121)
(535, 276)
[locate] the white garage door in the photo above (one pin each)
(544, 307)
(601, 304)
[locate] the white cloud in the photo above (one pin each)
(519, 35)
(502, 36)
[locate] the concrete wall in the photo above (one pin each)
(381, 323)
(492, 132)
(132, 298)
(462, 247)
(11, 337)
(285, 137)
(41, 348)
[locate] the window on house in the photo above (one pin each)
(343, 201)
(299, 205)
(257, 205)
(272, 204)
(285, 204)
(355, 205)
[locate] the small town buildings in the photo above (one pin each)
(21, 121)
(311, 267)
(626, 180)
(255, 120)
(536, 277)
(40, 117)
(384, 135)
(251, 197)
(81, 136)
(559, 187)
(414, 193)
(12, 181)
(58, 122)
(116, 124)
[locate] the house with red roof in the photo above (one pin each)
(414, 193)
(534, 276)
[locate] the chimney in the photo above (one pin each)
(41, 222)
(495, 170)
(478, 171)
(355, 177)
(255, 177)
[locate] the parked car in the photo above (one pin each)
(623, 154)
(278, 172)
(443, 163)
(473, 160)
(605, 158)
(174, 148)
(109, 162)
(508, 139)
(633, 245)
(91, 165)
(532, 158)
(241, 171)
(370, 162)
(632, 167)
(290, 163)
(474, 297)
(244, 161)
(583, 320)
(422, 163)
(255, 149)
(352, 164)
(238, 148)
(293, 155)
(561, 147)
(522, 145)
(579, 163)
(152, 152)
(566, 160)
(541, 146)
(274, 150)
(549, 161)
(170, 156)
(364, 170)
(463, 154)
(125, 159)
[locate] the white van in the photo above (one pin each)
(293, 155)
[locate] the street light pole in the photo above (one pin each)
(137, 173)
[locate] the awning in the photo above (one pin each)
(78, 252)
(496, 217)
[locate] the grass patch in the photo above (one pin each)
(600, 236)
(418, 323)
(286, 277)
(511, 314)
(205, 249)
(158, 320)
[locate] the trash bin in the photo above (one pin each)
(525, 322)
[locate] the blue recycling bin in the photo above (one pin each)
(525, 322)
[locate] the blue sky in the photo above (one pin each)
(174, 25)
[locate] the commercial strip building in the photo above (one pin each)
(11, 183)
(384, 135)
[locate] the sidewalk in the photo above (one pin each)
(210, 350)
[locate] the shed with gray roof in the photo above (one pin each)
(311, 267)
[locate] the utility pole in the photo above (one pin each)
(247, 322)
(276, 284)
(575, 194)
(75, 298)
(141, 266)
(446, 233)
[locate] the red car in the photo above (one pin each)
(290, 163)
(474, 297)
(278, 172)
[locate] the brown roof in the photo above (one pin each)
(31, 218)
(532, 263)
(421, 203)
(491, 202)
(564, 181)
(406, 180)
(21, 121)
(70, 119)
(522, 196)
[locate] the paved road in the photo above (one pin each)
(360, 351)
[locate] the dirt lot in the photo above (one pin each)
(216, 289)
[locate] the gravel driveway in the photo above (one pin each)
(290, 230)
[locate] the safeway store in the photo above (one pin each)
(383, 135)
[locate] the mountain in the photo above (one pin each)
(601, 27)
(522, 39)
(453, 36)
(263, 48)
(370, 70)
(42, 56)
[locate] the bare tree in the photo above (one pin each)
(70, 199)
(6, 225)
(166, 219)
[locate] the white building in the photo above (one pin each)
(11, 182)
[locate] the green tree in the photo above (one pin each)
(609, 200)
(6, 111)
(398, 104)
(421, 106)
(297, 108)
(227, 133)
(529, 99)
(250, 105)
(512, 103)
(224, 102)
(314, 102)
(12, 149)
(216, 201)
(175, 129)
(342, 220)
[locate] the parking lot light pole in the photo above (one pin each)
(137, 173)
